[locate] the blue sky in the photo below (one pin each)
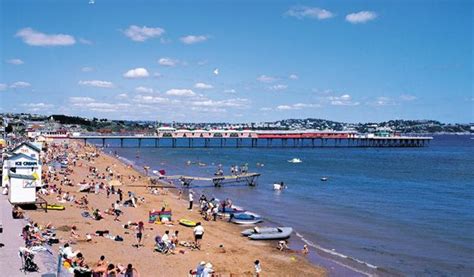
(238, 61)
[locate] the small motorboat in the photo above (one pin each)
(246, 218)
(324, 179)
(268, 233)
(226, 212)
(278, 186)
(295, 161)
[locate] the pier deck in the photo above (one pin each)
(246, 142)
(249, 178)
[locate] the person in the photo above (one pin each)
(17, 212)
(130, 271)
(198, 234)
(74, 234)
(282, 245)
(258, 268)
(207, 272)
(200, 268)
(117, 210)
(78, 261)
(215, 211)
(140, 229)
(97, 215)
(166, 238)
(120, 194)
(174, 238)
(191, 199)
(305, 250)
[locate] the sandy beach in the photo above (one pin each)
(235, 258)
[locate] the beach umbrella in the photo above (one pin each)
(115, 183)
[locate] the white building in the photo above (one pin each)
(22, 173)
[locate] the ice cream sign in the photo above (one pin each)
(26, 163)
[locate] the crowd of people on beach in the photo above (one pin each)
(98, 181)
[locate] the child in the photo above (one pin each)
(258, 268)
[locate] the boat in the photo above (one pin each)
(226, 212)
(324, 179)
(268, 233)
(246, 218)
(187, 222)
(295, 161)
(55, 207)
(278, 186)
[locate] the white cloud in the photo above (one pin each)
(266, 79)
(234, 103)
(3, 87)
(96, 83)
(81, 99)
(168, 62)
(85, 41)
(266, 109)
(293, 77)
(208, 109)
(35, 107)
(203, 86)
(284, 107)
(361, 17)
(382, 101)
(20, 84)
(180, 92)
(230, 90)
(141, 34)
(302, 12)
(136, 73)
(297, 106)
(157, 75)
(15, 61)
(122, 96)
(407, 97)
(142, 89)
(343, 100)
(87, 69)
(278, 87)
(35, 38)
(148, 99)
(192, 39)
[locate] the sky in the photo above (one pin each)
(238, 61)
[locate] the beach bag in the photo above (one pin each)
(118, 238)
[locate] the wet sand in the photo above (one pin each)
(240, 253)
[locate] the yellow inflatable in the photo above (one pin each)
(55, 207)
(187, 222)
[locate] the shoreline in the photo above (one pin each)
(217, 233)
(336, 264)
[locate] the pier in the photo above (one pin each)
(252, 142)
(248, 178)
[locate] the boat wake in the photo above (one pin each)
(340, 256)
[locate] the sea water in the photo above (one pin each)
(385, 211)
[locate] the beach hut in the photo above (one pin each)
(29, 149)
(21, 164)
(22, 188)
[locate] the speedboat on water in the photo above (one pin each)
(295, 161)
(324, 179)
(268, 233)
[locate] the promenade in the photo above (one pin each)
(10, 262)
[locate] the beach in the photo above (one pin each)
(229, 253)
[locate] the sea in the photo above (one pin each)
(381, 212)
